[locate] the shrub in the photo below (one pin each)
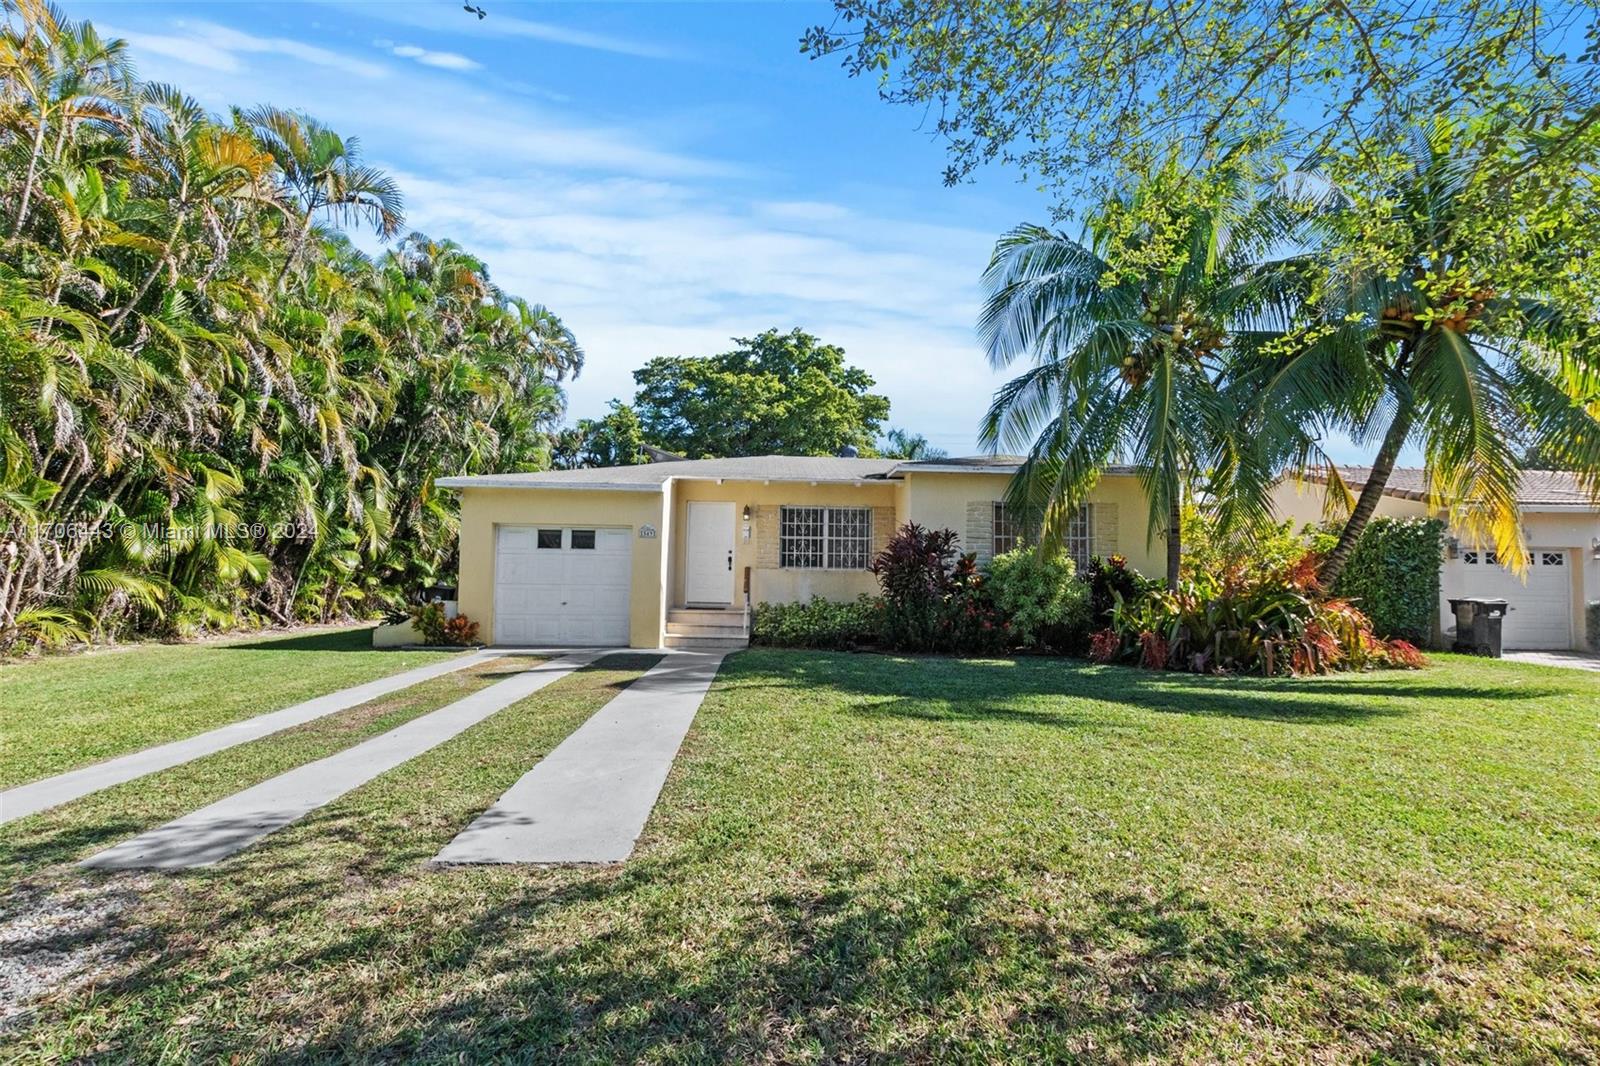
(1592, 612)
(1393, 575)
(1108, 581)
(1271, 550)
(914, 570)
(934, 597)
(431, 624)
(1243, 620)
(1039, 597)
(818, 624)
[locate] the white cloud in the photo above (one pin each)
(442, 19)
(214, 47)
(443, 60)
(645, 268)
(642, 243)
(545, 31)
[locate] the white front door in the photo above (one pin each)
(558, 584)
(708, 554)
(1541, 610)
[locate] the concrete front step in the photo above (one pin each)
(707, 629)
(706, 616)
(698, 642)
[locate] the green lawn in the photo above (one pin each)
(863, 857)
(66, 711)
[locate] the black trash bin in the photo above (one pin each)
(1478, 621)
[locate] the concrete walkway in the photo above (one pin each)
(213, 833)
(1572, 660)
(53, 791)
(588, 800)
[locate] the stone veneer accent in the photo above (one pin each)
(1105, 529)
(766, 531)
(979, 535)
(883, 528)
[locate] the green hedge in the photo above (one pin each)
(1393, 576)
(818, 624)
(1593, 612)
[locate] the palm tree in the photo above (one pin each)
(57, 75)
(1130, 367)
(156, 379)
(1427, 352)
(200, 167)
(904, 444)
(323, 175)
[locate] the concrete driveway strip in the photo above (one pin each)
(53, 791)
(213, 833)
(588, 800)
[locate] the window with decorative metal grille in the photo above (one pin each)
(1079, 540)
(825, 538)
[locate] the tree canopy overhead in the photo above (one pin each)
(1087, 89)
(777, 393)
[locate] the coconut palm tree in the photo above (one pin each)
(1132, 368)
(1434, 351)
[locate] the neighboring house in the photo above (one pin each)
(670, 553)
(1561, 526)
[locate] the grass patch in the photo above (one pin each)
(66, 711)
(864, 857)
(75, 830)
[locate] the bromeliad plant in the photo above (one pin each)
(1240, 621)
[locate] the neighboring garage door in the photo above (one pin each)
(562, 585)
(1541, 610)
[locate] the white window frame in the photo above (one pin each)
(1011, 539)
(815, 537)
(1079, 539)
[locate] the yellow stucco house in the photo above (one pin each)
(1561, 527)
(670, 554)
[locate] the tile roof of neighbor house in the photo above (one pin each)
(649, 477)
(1538, 488)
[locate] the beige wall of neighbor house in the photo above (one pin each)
(485, 510)
(964, 502)
(1570, 531)
(755, 543)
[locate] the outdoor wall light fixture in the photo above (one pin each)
(747, 512)
(1594, 548)
(1452, 548)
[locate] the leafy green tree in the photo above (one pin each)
(777, 393)
(1091, 88)
(615, 439)
(904, 444)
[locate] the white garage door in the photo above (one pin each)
(562, 585)
(1541, 610)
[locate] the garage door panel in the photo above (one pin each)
(565, 594)
(1540, 613)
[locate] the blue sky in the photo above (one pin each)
(664, 176)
